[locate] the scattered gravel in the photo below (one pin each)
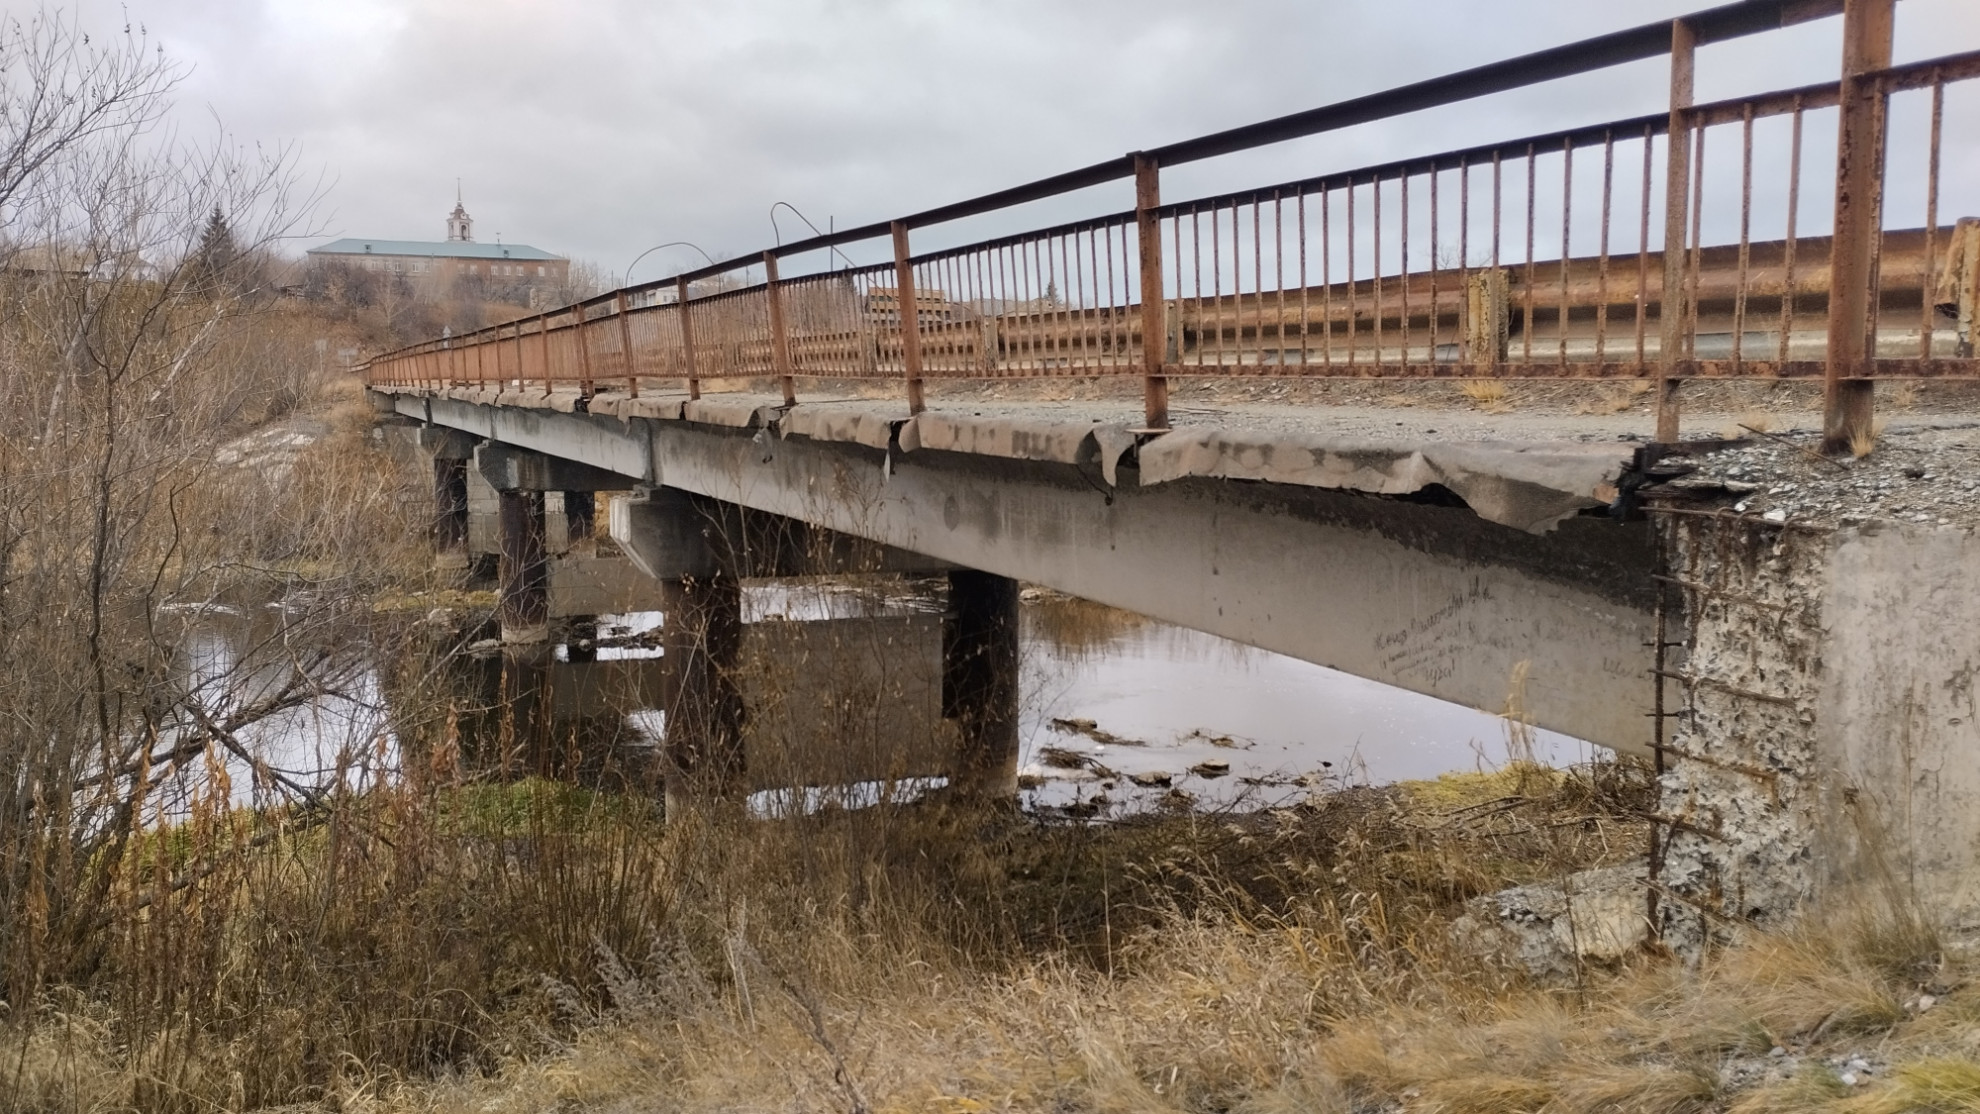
(1924, 474)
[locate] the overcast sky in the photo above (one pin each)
(597, 128)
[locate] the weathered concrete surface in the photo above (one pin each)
(1827, 736)
(509, 469)
(1526, 486)
(1900, 726)
(1529, 483)
(483, 504)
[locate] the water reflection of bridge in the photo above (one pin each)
(814, 700)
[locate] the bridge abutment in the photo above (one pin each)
(1826, 730)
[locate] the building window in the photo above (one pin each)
(539, 272)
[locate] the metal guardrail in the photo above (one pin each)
(1576, 254)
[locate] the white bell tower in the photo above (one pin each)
(460, 226)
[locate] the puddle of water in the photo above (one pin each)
(803, 800)
(1183, 699)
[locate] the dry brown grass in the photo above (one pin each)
(924, 959)
(1213, 1013)
(1490, 395)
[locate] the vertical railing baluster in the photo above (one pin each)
(1744, 277)
(1793, 216)
(1155, 384)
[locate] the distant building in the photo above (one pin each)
(457, 257)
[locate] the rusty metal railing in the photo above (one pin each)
(1681, 245)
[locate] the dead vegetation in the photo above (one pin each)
(445, 947)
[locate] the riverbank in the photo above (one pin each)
(439, 947)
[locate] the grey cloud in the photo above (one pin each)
(600, 127)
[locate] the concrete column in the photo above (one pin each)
(980, 680)
(525, 606)
(450, 512)
(701, 643)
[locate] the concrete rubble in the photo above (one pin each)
(1555, 930)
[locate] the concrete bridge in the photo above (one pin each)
(1560, 571)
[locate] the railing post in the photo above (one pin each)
(1677, 191)
(543, 335)
(625, 346)
(909, 302)
(780, 341)
(586, 388)
(1848, 389)
(519, 356)
(1154, 330)
(687, 339)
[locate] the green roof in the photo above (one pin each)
(443, 249)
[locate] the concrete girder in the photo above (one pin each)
(507, 468)
(443, 443)
(669, 533)
(1429, 598)
(602, 442)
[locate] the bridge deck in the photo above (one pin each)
(1528, 471)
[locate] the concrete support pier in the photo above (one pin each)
(451, 449)
(701, 642)
(980, 681)
(525, 575)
